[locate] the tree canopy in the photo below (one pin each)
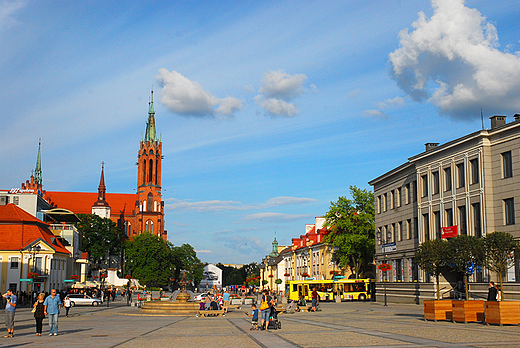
(501, 253)
(431, 257)
(101, 237)
(155, 261)
(351, 222)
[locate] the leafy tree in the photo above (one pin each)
(185, 258)
(235, 277)
(351, 222)
(431, 257)
(500, 248)
(101, 237)
(464, 253)
(149, 258)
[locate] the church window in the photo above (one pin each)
(144, 171)
(150, 169)
(149, 226)
(156, 169)
(155, 206)
(150, 202)
(144, 206)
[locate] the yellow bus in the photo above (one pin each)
(328, 290)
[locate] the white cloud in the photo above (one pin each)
(203, 251)
(451, 60)
(274, 217)
(187, 98)
(376, 114)
(354, 93)
(216, 205)
(277, 90)
(391, 102)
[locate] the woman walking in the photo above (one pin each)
(66, 304)
(39, 313)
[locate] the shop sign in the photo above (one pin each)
(448, 232)
(389, 247)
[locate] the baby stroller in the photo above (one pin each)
(274, 323)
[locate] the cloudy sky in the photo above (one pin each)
(268, 110)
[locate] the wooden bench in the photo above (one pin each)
(210, 313)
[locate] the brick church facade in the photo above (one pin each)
(134, 213)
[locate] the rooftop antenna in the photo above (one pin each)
(482, 118)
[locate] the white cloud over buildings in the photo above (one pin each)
(452, 61)
(187, 98)
(278, 90)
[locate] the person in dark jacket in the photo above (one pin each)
(39, 313)
(492, 292)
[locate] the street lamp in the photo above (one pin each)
(34, 250)
(383, 242)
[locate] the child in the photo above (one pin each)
(254, 320)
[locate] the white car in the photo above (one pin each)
(202, 296)
(82, 299)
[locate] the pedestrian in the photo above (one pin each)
(314, 296)
(52, 308)
(499, 293)
(254, 320)
(492, 292)
(226, 301)
(10, 309)
(265, 308)
(67, 305)
(39, 313)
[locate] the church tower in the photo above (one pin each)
(150, 207)
(101, 207)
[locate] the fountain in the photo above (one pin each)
(180, 306)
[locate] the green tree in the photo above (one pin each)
(185, 258)
(500, 248)
(351, 222)
(464, 253)
(149, 258)
(431, 257)
(235, 277)
(101, 237)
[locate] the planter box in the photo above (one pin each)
(468, 311)
(236, 301)
(438, 310)
(502, 312)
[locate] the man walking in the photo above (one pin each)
(52, 308)
(492, 292)
(10, 309)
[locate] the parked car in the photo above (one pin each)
(82, 299)
(202, 296)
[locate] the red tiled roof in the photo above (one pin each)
(82, 202)
(18, 229)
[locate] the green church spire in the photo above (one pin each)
(38, 170)
(151, 133)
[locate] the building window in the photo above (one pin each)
(392, 199)
(398, 196)
(476, 220)
(409, 229)
(398, 270)
(414, 187)
(463, 225)
(407, 193)
(509, 211)
(474, 171)
(13, 287)
(435, 178)
(399, 231)
(460, 175)
(384, 202)
(415, 227)
(424, 181)
(449, 217)
(507, 165)
(447, 179)
(14, 262)
(426, 224)
(16, 200)
(38, 265)
(437, 218)
(378, 204)
(392, 230)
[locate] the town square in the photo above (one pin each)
(273, 174)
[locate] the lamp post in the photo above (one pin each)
(383, 242)
(34, 250)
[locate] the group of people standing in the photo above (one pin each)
(43, 307)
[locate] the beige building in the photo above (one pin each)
(472, 183)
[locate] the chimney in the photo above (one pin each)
(497, 121)
(431, 146)
(517, 117)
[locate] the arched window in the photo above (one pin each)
(144, 171)
(155, 206)
(149, 226)
(156, 168)
(150, 202)
(128, 228)
(150, 169)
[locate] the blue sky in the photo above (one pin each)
(268, 110)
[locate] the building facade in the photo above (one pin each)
(471, 184)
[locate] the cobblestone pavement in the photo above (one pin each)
(348, 324)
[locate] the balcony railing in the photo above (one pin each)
(61, 227)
